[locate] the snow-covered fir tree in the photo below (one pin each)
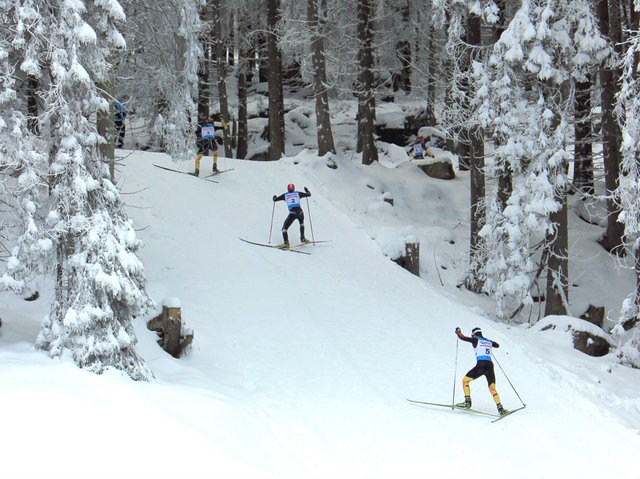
(627, 331)
(100, 284)
(526, 92)
(23, 188)
(159, 69)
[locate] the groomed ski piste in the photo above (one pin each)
(302, 364)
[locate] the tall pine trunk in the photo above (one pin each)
(204, 71)
(610, 26)
(105, 126)
(274, 75)
(477, 179)
(558, 260)
(557, 243)
(323, 119)
(243, 120)
(221, 64)
(583, 151)
(366, 98)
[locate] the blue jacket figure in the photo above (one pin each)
(484, 367)
(292, 198)
(121, 113)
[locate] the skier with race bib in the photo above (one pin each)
(484, 367)
(419, 150)
(292, 198)
(207, 143)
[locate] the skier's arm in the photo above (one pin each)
(305, 194)
(494, 344)
(463, 337)
(278, 198)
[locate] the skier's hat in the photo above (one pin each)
(476, 331)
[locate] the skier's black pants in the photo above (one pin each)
(295, 213)
(120, 130)
(483, 368)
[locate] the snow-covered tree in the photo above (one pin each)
(527, 96)
(82, 226)
(159, 69)
(22, 189)
(627, 331)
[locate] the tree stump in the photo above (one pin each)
(411, 259)
(168, 325)
(594, 314)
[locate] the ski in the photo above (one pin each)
(509, 413)
(459, 408)
(273, 246)
(312, 242)
(185, 173)
(219, 172)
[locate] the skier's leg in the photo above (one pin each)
(285, 226)
(470, 376)
(491, 380)
(198, 158)
(301, 221)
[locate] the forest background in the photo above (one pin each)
(538, 99)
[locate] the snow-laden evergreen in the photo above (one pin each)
(160, 69)
(73, 224)
(627, 331)
(21, 161)
(526, 104)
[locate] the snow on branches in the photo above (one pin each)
(72, 220)
(524, 98)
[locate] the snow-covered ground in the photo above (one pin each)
(301, 364)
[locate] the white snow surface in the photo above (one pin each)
(301, 364)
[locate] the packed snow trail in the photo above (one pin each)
(301, 363)
(328, 346)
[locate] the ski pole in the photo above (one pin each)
(313, 238)
(273, 210)
(455, 373)
(505, 375)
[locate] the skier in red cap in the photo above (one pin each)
(292, 198)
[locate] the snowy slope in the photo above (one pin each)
(302, 363)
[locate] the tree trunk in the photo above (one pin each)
(431, 80)
(105, 126)
(221, 63)
(402, 79)
(558, 261)
(243, 121)
(204, 71)
(276, 109)
(609, 20)
(323, 119)
(477, 179)
(583, 151)
(32, 105)
(366, 98)
(557, 243)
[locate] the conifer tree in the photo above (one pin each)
(82, 228)
(542, 52)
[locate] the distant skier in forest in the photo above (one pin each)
(121, 114)
(420, 149)
(207, 143)
(292, 198)
(484, 367)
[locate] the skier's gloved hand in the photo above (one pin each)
(458, 330)
(275, 197)
(306, 190)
